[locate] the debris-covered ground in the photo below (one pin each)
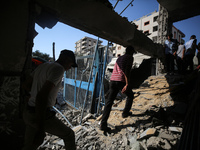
(156, 123)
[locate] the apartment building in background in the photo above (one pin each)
(83, 45)
(148, 25)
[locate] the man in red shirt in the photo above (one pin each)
(119, 81)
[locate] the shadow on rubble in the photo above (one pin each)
(184, 92)
(186, 96)
(138, 75)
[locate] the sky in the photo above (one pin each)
(65, 36)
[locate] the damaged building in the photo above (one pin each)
(149, 129)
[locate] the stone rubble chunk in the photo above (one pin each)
(131, 129)
(99, 118)
(153, 142)
(166, 146)
(60, 142)
(148, 132)
(77, 128)
(175, 129)
(166, 136)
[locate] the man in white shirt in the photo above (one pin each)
(179, 58)
(190, 49)
(170, 47)
(38, 116)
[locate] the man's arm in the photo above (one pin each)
(127, 75)
(183, 52)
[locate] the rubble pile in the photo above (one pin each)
(156, 123)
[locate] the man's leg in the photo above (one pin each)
(29, 119)
(191, 63)
(129, 102)
(57, 127)
(167, 62)
(114, 89)
(28, 139)
(171, 63)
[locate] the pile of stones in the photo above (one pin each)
(157, 122)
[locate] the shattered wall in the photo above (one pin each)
(15, 45)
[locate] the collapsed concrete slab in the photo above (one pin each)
(95, 18)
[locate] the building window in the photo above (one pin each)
(119, 48)
(155, 28)
(174, 34)
(146, 32)
(155, 18)
(154, 39)
(146, 23)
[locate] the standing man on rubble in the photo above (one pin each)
(38, 116)
(190, 49)
(120, 80)
(170, 47)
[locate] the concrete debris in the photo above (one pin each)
(166, 136)
(148, 132)
(175, 129)
(152, 126)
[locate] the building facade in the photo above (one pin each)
(84, 44)
(148, 25)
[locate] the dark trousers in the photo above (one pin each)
(169, 60)
(189, 62)
(198, 57)
(180, 66)
(115, 87)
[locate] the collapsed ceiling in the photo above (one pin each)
(96, 18)
(181, 9)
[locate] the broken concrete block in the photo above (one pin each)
(99, 118)
(148, 132)
(166, 136)
(175, 129)
(134, 144)
(77, 128)
(153, 142)
(131, 129)
(88, 116)
(60, 142)
(125, 140)
(166, 146)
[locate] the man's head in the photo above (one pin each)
(169, 36)
(193, 37)
(130, 50)
(198, 46)
(67, 59)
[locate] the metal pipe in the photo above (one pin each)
(104, 67)
(126, 7)
(116, 4)
(82, 80)
(63, 116)
(96, 48)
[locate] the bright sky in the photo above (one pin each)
(65, 36)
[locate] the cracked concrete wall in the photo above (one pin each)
(14, 24)
(14, 48)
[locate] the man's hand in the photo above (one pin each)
(124, 88)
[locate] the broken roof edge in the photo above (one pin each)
(95, 18)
